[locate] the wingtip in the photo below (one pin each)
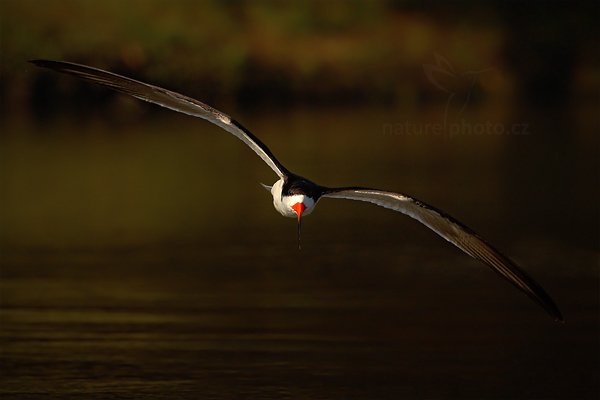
(551, 308)
(558, 318)
(39, 62)
(554, 312)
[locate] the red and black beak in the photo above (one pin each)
(299, 208)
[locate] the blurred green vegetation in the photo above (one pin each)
(65, 175)
(308, 51)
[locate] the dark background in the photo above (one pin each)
(123, 275)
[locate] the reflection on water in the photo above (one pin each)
(123, 275)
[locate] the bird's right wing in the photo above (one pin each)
(167, 99)
(454, 232)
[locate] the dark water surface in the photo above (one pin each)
(122, 275)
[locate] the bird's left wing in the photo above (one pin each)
(168, 99)
(454, 232)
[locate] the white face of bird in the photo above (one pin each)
(299, 204)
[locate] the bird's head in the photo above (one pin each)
(291, 203)
(299, 205)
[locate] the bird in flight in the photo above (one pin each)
(295, 196)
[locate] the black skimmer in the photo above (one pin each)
(295, 196)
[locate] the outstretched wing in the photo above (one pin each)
(454, 232)
(168, 99)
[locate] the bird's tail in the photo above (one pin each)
(267, 187)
